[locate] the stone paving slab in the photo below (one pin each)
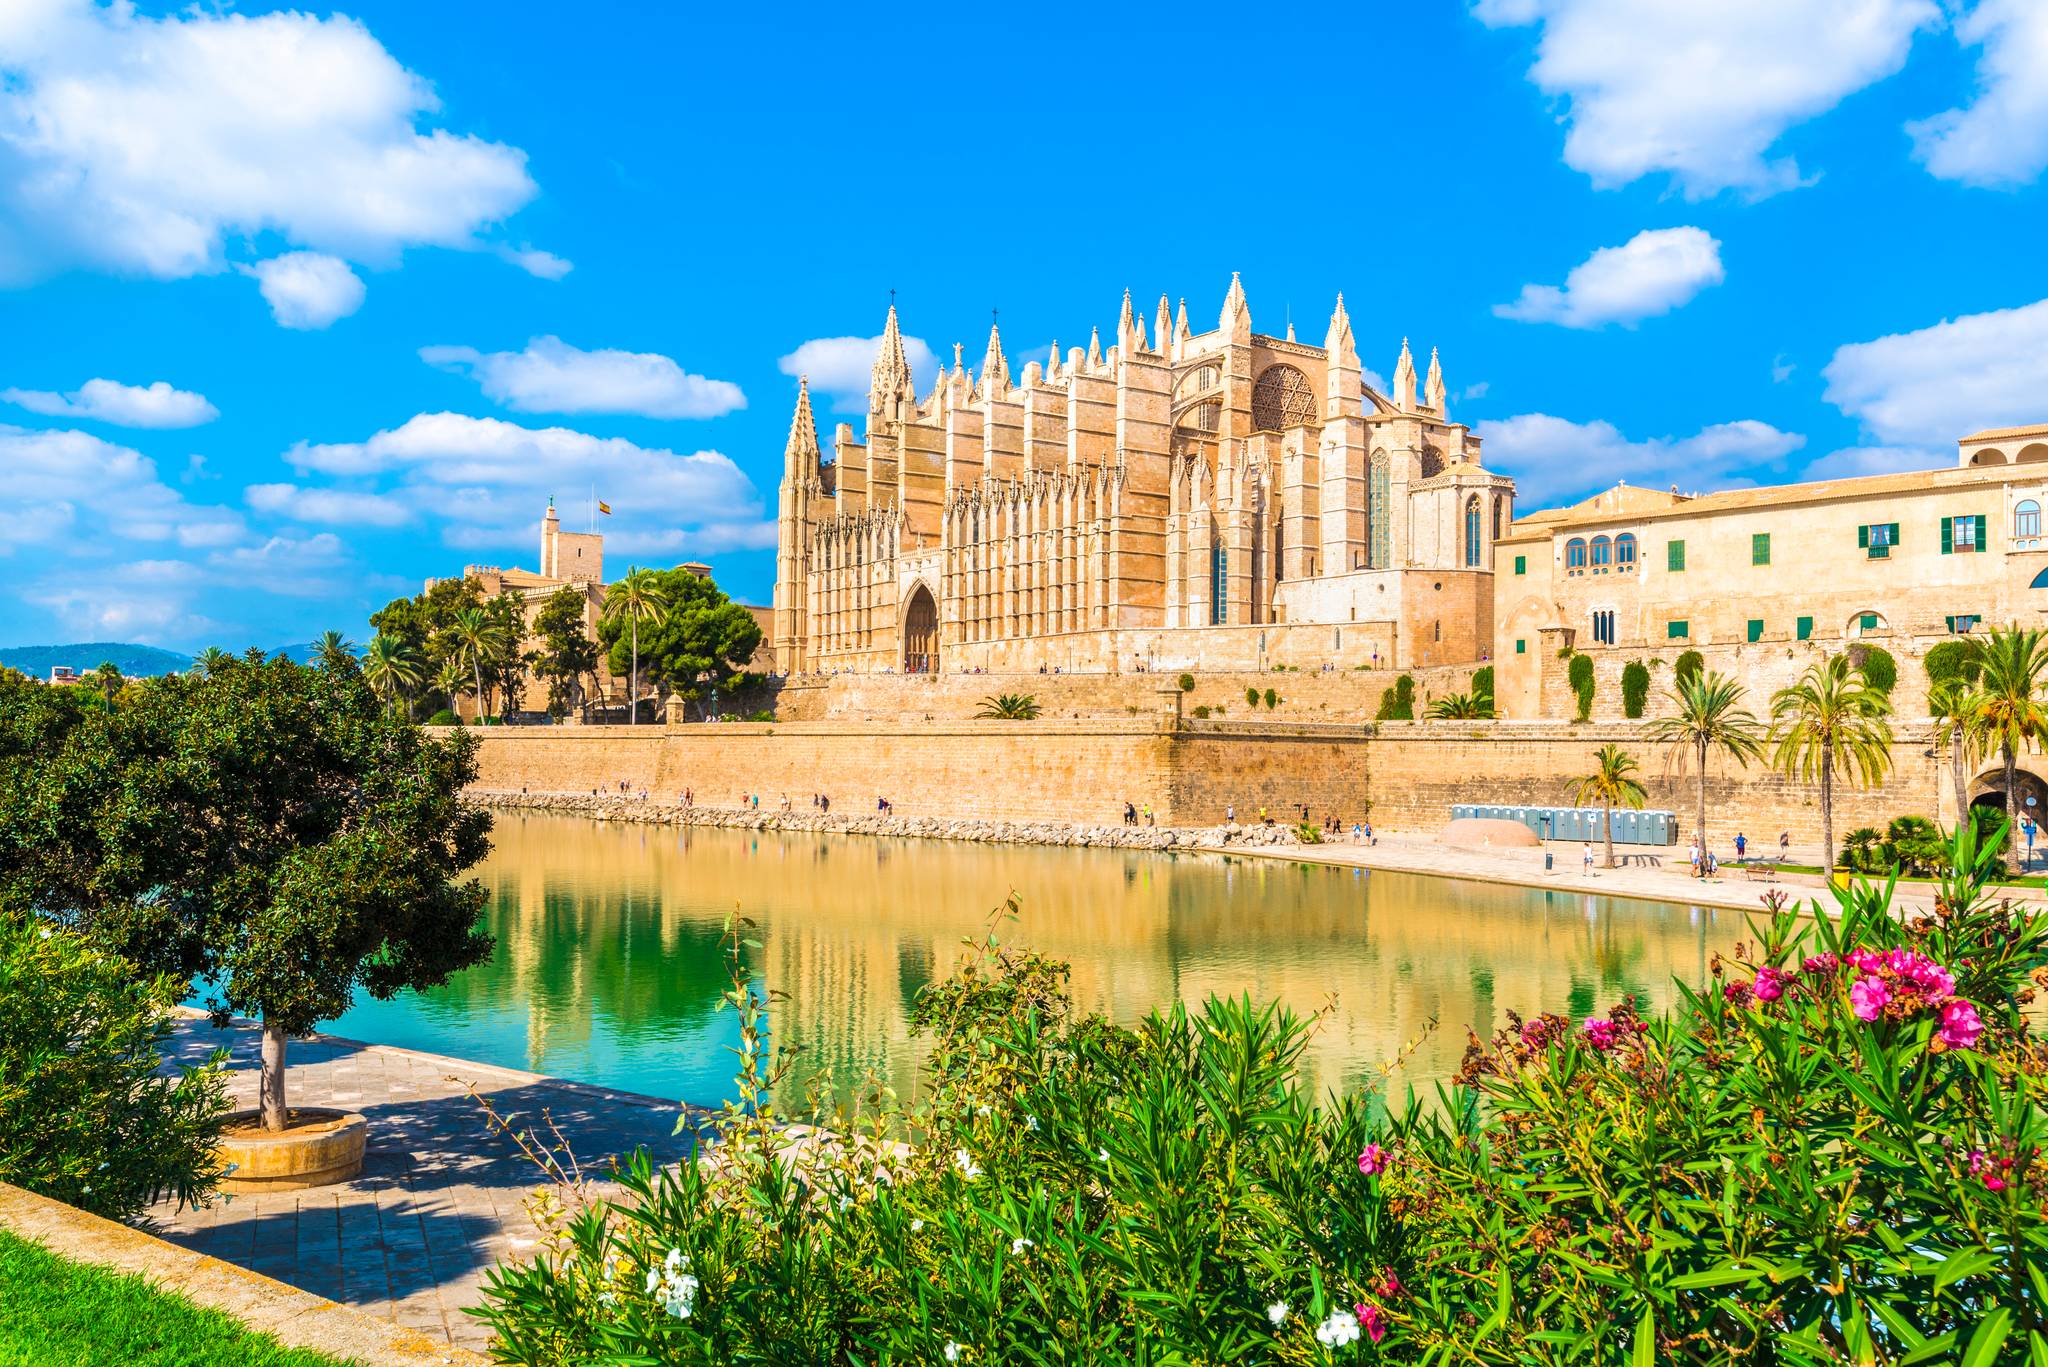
(441, 1195)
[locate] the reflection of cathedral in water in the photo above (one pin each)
(609, 943)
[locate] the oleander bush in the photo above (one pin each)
(1829, 1152)
(89, 1115)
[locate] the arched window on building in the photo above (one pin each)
(1282, 398)
(1575, 555)
(1472, 531)
(1603, 552)
(1377, 514)
(1625, 551)
(2026, 519)
(1500, 512)
(1219, 581)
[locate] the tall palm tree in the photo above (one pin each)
(1612, 783)
(1832, 718)
(392, 667)
(2007, 713)
(452, 679)
(211, 661)
(481, 643)
(1707, 716)
(1952, 704)
(639, 596)
(332, 650)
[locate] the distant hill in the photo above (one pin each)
(134, 661)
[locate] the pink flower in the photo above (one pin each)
(1985, 1170)
(1735, 992)
(1868, 997)
(1820, 964)
(1960, 1025)
(1369, 1318)
(1601, 1033)
(1770, 984)
(1373, 1161)
(1390, 1285)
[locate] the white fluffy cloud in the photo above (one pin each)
(124, 405)
(1555, 460)
(488, 481)
(1652, 273)
(543, 265)
(1929, 387)
(1853, 461)
(337, 507)
(840, 367)
(1702, 90)
(144, 146)
(151, 601)
(2001, 137)
(308, 290)
(551, 376)
(71, 490)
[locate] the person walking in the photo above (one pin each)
(1230, 813)
(1784, 846)
(1586, 858)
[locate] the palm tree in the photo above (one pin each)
(392, 667)
(451, 680)
(108, 679)
(638, 596)
(1953, 705)
(480, 642)
(1612, 783)
(2007, 713)
(211, 661)
(1008, 707)
(1460, 707)
(331, 650)
(1832, 717)
(1708, 715)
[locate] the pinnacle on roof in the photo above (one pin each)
(1433, 390)
(891, 374)
(1163, 328)
(993, 364)
(1234, 304)
(1404, 379)
(1094, 348)
(803, 428)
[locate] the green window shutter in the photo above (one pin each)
(1805, 628)
(1863, 538)
(1676, 631)
(1521, 647)
(1674, 555)
(1948, 535)
(1521, 564)
(1869, 621)
(1756, 629)
(1760, 548)
(1980, 531)
(1893, 528)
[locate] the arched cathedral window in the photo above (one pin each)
(1472, 531)
(1377, 514)
(1282, 398)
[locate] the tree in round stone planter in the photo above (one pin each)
(273, 832)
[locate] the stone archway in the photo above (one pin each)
(1987, 789)
(920, 632)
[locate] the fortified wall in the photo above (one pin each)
(1404, 775)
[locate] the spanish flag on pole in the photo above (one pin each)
(604, 507)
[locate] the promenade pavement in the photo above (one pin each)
(440, 1198)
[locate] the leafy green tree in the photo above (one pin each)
(1613, 783)
(1008, 707)
(211, 659)
(332, 650)
(1690, 663)
(642, 596)
(697, 635)
(1708, 716)
(565, 652)
(108, 680)
(1831, 719)
(393, 668)
(2008, 714)
(1398, 703)
(1952, 661)
(272, 831)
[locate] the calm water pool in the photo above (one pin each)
(608, 965)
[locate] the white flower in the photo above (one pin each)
(1031, 1122)
(1277, 1312)
(1338, 1331)
(1102, 1154)
(1019, 1245)
(965, 1162)
(653, 1280)
(846, 1203)
(952, 1351)
(46, 932)
(608, 1297)
(981, 1111)
(675, 1260)
(917, 1226)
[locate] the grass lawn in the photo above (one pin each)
(57, 1313)
(2030, 881)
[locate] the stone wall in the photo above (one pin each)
(1406, 776)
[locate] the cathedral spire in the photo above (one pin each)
(891, 375)
(1163, 328)
(1338, 340)
(1236, 322)
(1094, 348)
(1433, 392)
(1129, 332)
(1404, 380)
(995, 370)
(800, 456)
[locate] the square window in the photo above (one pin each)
(1674, 556)
(1756, 629)
(1806, 628)
(1760, 548)
(1677, 631)
(1521, 564)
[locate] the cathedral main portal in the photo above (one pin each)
(921, 633)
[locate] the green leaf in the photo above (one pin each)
(1989, 1338)
(1646, 1340)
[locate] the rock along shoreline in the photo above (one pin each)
(652, 812)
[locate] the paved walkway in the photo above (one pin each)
(440, 1196)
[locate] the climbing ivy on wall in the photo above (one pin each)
(1635, 688)
(1581, 675)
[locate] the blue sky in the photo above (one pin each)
(298, 308)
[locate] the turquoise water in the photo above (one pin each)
(608, 966)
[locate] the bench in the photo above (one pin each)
(1760, 871)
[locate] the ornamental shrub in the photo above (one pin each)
(1272, 699)
(1635, 688)
(1482, 684)
(1689, 665)
(1828, 1152)
(1580, 671)
(1251, 696)
(1398, 703)
(88, 1113)
(1863, 851)
(1913, 844)
(1187, 683)
(1953, 661)
(444, 718)
(1880, 670)
(1201, 711)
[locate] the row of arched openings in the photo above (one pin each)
(1601, 552)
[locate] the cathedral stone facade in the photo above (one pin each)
(1178, 500)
